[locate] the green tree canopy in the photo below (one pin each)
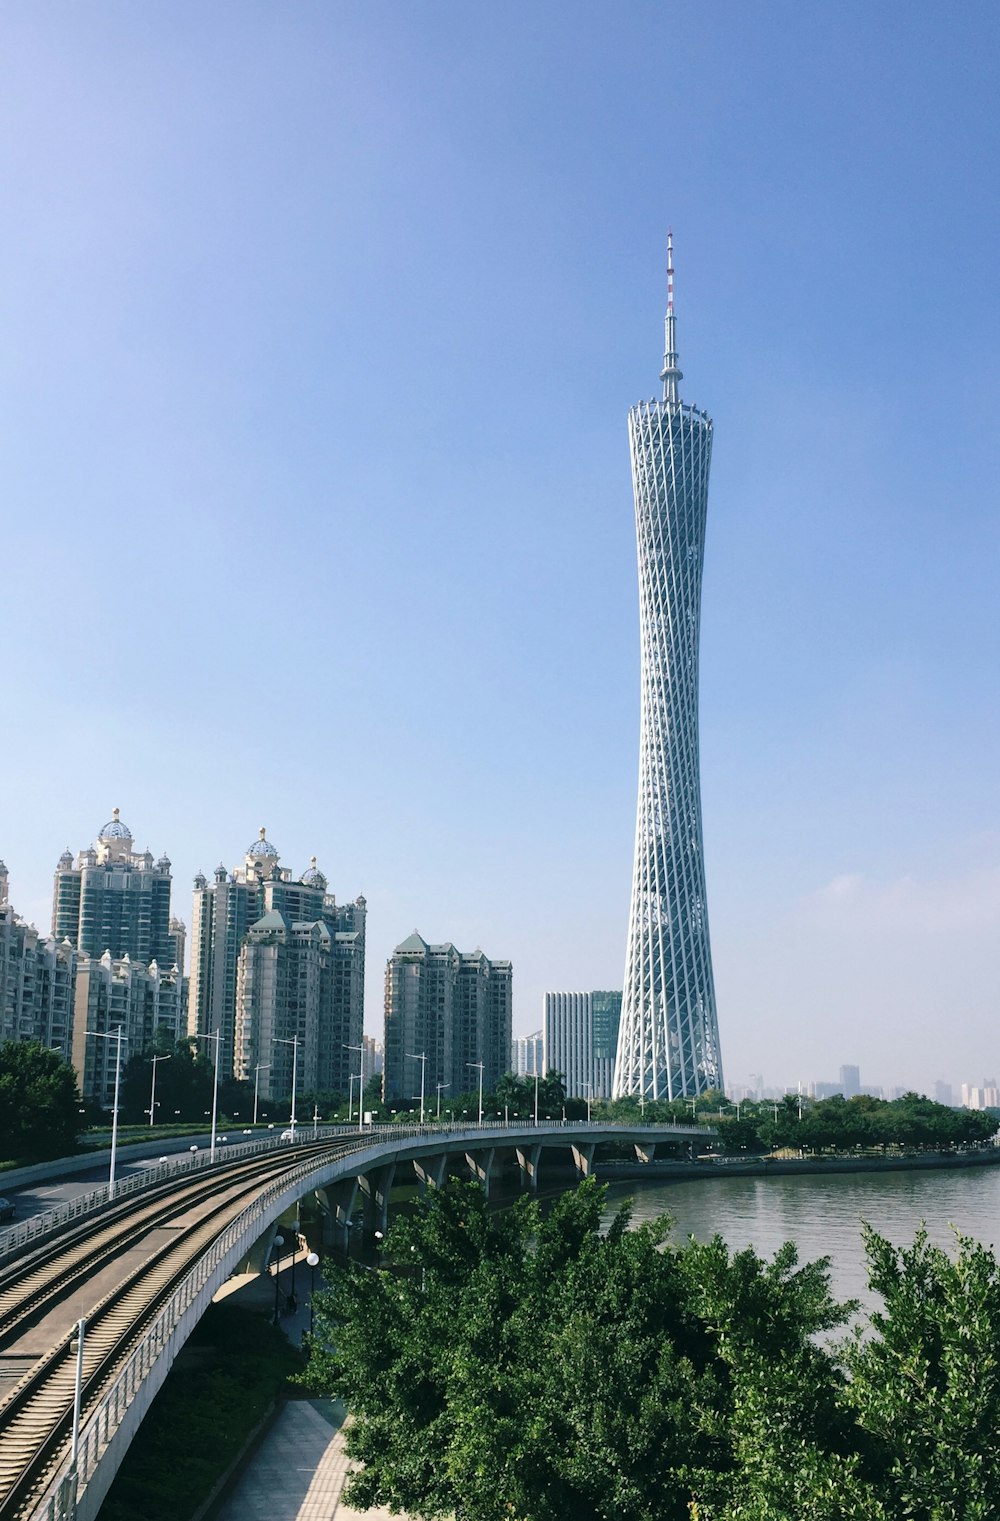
(39, 1103)
(510, 1367)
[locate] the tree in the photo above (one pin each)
(39, 1103)
(507, 1365)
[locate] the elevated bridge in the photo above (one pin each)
(141, 1269)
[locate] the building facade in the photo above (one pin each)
(226, 909)
(115, 992)
(303, 983)
(527, 1055)
(580, 1037)
(452, 1007)
(668, 1044)
(37, 978)
(114, 898)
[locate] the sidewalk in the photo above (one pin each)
(299, 1471)
(300, 1468)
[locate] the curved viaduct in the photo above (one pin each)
(202, 1241)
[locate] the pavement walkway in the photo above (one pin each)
(299, 1470)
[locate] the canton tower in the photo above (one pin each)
(668, 1039)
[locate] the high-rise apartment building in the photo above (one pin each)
(114, 898)
(580, 1035)
(303, 983)
(36, 981)
(116, 992)
(224, 911)
(450, 1006)
(668, 1044)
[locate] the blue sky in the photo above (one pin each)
(319, 324)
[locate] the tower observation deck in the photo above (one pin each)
(668, 1038)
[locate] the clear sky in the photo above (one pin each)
(319, 325)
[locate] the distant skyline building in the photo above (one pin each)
(580, 1036)
(668, 1043)
(113, 991)
(37, 976)
(453, 1007)
(225, 909)
(115, 898)
(850, 1081)
(527, 1055)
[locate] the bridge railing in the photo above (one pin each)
(37, 1227)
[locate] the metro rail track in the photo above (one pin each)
(36, 1414)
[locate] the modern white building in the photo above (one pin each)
(527, 1055)
(668, 1045)
(579, 1037)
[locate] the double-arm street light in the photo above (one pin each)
(260, 1067)
(293, 1041)
(481, 1066)
(422, 1059)
(116, 1035)
(152, 1089)
(361, 1081)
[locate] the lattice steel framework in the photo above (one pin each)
(668, 1040)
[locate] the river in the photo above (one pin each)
(823, 1215)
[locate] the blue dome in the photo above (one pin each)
(313, 876)
(262, 847)
(115, 830)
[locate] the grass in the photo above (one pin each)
(233, 1368)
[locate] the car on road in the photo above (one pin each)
(288, 1135)
(6, 1209)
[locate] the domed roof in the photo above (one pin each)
(262, 847)
(313, 876)
(115, 829)
(66, 859)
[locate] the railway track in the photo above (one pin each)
(36, 1413)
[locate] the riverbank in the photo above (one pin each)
(773, 1167)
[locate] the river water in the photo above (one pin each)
(823, 1214)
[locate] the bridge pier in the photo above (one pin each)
(645, 1152)
(376, 1186)
(431, 1171)
(583, 1159)
(527, 1161)
(340, 1199)
(481, 1166)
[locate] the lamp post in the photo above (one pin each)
(361, 1081)
(422, 1059)
(439, 1087)
(278, 1242)
(315, 1118)
(481, 1066)
(352, 1078)
(536, 1087)
(260, 1067)
(217, 1037)
(294, 1043)
(312, 1261)
(115, 1035)
(152, 1090)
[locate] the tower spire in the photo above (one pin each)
(670, 374)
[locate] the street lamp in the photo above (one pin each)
(152, 1090)
(481, 1066)
(294, 1043)
(217, 1037)
(422, 1059)
(278, 1242)
(590, 1090)
(536, 1087)
(439, 1087)
(312, 1261)
(115, 1035)
(260, 1067)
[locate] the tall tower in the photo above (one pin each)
(668, 1038)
